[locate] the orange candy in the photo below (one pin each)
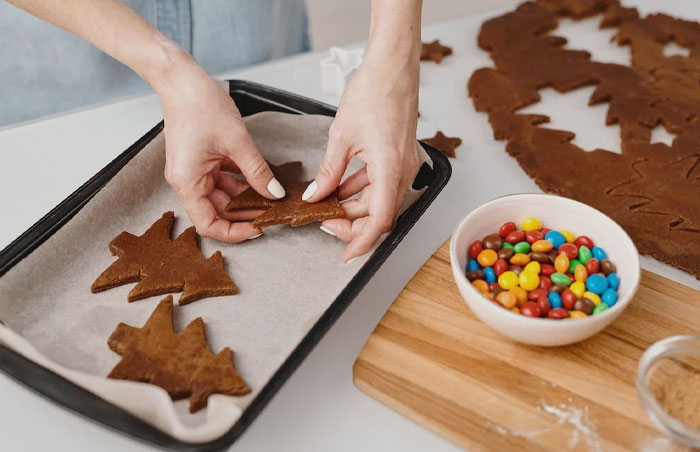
(520, 259)
(520, 295)
(561, 263)
(542, 246)
(581, 274)
(507, 299)
(487, 258)
(481, 285)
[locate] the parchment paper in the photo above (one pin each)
(287, 278)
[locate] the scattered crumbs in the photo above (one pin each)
(579, 419)
(569, 399)
(660, 443)
(499, 428)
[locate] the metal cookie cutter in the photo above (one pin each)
(338, 68)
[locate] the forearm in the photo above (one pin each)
(115, 29)
(394, 33)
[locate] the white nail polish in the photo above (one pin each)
(275, 188)
(255, 236)
(351, 260)
(310, 191)
(327, 231)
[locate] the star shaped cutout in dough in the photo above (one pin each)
(291, 209)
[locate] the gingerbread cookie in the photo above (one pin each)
(434, 51)
(651, 189)
(181, 363)
(291, 209)
(161, 265)
(445, 144)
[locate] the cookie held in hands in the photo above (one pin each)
(291, 209)
(181, 363)
(161, 265)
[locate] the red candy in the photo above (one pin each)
(582, 240)
(533, 236)
(547, 269)
(506, 229)
(545, 231)
(569, 249)
(531, 309)
(494, 285)
(545, 282)
(475, 248)
(543, 303)
(558, 313)
(568, 298)
(592, 266)
(500, 266)
(515, 237)
(537, 293)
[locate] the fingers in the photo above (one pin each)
(229, 165)
(330, 172)
(205, 218)
(353, 184)
(230, 184)
(358, 208)
(340, 227)
(219, 198)
(255, 168)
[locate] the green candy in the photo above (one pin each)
(508, 245)
(584, 254)
(600, 308)
(560, 278)
(522, 247)
(573, 264)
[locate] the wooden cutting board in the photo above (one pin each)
(433, 361)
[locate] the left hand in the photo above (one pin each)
(376, 122)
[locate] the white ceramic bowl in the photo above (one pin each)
(557, 213)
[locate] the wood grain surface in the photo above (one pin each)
(433, 361)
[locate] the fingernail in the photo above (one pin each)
(275, 188)
(351, 260)
(310, 191)
(327, 231)
(255, 236)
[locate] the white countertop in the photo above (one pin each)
(318, 408)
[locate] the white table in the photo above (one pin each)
(318, 408)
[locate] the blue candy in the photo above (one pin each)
(596, 283)
(473, 265)
(554, 300)
(556, 237)
(613, 280)
(489, 275)
(609, 297)
(599, 253)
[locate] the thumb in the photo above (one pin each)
(256, 170)
(329, 173)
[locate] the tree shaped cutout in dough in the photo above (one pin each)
(291, 209)
(181, 363)
(161, 265)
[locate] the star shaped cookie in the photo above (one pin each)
(291, 209)
(445, 144)
(434, 51)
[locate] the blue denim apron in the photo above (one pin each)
(45, 70)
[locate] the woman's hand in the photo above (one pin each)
(376, 122)
(205, 135)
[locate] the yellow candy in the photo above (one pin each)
(578, 288)
(542, 246)
(520, 295)
(593, 297)
(581, 274)
(561, 263)
(568, 236)
(533, 266)
(529, 280)
(520, 259)
(531, 224)
(480, 285)
(507, 299)
(515, 309)
(507, 280)
(577, 315)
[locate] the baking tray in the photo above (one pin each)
(250, 98)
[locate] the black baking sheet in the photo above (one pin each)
(250, 98)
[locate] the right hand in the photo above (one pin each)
(205, 134)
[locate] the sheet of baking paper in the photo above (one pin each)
(287, 279)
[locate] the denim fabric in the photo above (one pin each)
(46, 70)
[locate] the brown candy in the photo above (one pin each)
(542, 258)
(475, 274)
(517, 269)
(584, 305)
(553, 256)
(607, 267)
(559, 288)
(492, 242)
(506, 253)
